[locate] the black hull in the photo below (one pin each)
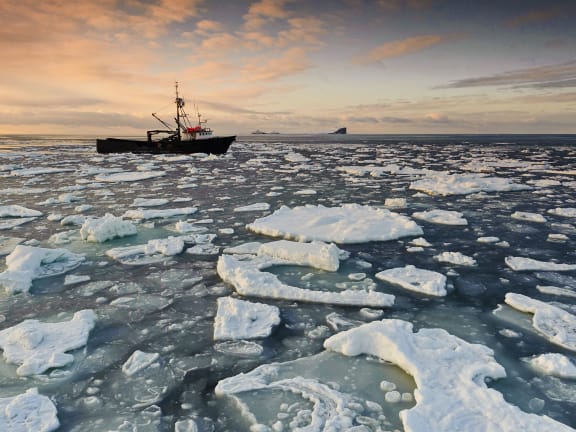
(214, 145)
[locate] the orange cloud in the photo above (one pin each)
(302, 30)
(208, 26)
(268, 9)
(292, 61)
(401, 47)
(210, 71)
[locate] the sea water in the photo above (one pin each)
(167, 304)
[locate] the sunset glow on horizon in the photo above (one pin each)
(390, 66)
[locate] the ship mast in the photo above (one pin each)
(179, 105)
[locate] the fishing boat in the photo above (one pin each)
(183, 138)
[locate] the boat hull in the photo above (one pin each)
(213, 145)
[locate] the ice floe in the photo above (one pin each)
(453, 400)
(153, 251)
(6, 224)
(155, 214)
(38, 346)
(529, 264)
(149, 202)
(17, 211)
(27, 263)
(456, 258)
(415, 279)
(129, 176)
(462, 184)
(248, 279)
(443, 217)
(564, 212)
(7, 244)
(240, 319)
(378, 171)
(330, 410)
(106, 228)
(350, 223)
(28, 412)
(315, 254)
(253, 207)
(554, 323)
(528, 216)
(553, 364)
(139, 360)
(39, 170)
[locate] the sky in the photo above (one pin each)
(101, 67)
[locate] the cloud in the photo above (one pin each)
(534, 17)
(264, 11)
(74, 118)
(211, 71)
(410, 4)
(396, 120)
(302, 30)
(292, 61)
(219, 43)
(401, 47)
(560, 76)
(268, 9)
(205, 27)
(547, 98)
(435, 117)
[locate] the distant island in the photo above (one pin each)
(259, 132)
(341, 131)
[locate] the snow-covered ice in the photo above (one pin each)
(415, 279)
(349, 223)
(569, 212)
(28, 412)
(462, 184)
(530, 264)
(27, 263)
(106, 228)
(149, 202)
(456, 258)
(129, 176)
(155, 214)
(253, 207)
(554, 323)
(154, 250)
(553, 364)
(240, 319)
(456, 399)
(315, 254)
(19, 211)
(528, 216)
(36, 346)
(248, 280)
(444, 217)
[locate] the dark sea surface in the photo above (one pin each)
(168, 307)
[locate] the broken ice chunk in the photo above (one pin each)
(239, 319)
(138, 361)
(38, 346)
(415, 279)
(28, 411)
(27, 263)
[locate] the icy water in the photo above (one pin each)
(167, 306)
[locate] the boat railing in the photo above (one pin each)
(151, 133)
